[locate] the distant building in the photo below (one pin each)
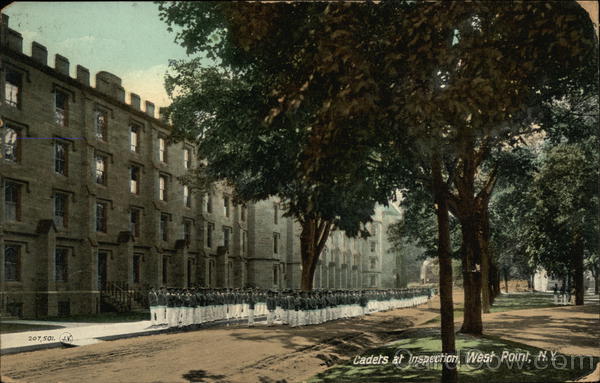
(92, 203)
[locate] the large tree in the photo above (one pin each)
(441, 85)
(247, 139)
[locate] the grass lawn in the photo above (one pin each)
(508, 302)
(108, 317)
(522, 301)
(421, 342)
(6, 328)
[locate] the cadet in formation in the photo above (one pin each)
(194, 307)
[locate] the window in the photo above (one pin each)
(134, 138)
(373, 263)
(162, 188)
(275, 243)
(210, 228)
(64, 308)
(209, 202)
(164, 227)
(12, 88)
(243, 212)
(373, 281)
(61, 108)
(60, 210)
(187, 159)
(101, 123)
(137, 263)
(61, 156)
(275, 214)
(244, 241)
(373, 246)
(101, 169)
(162, 150)
(101, 217)
(12, 263)
(12, 201)
(226, 206)
(10, 144)
(226, 236)
(165, 269)
(187, 198)
(61, 266)
(275, 274)
(134, 222)
(134, 179)
(187, 231)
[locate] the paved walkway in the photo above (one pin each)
(81, 333)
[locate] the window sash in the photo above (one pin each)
(61, 108)
(187, 231)
(60, 158)
(101, 123)
(162, 185)
(134, 180)
(209, 234)
(101, 170)
(226, 237)
(61, 266)
(134, 223)
(164, 227)
(10, 144)
(12, 203)
(162, 150)
(60, 210)
(187, 200)
(12, 94)
(134, 138)
(12, 263)
(101, 217)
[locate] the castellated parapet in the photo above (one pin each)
(106, 82)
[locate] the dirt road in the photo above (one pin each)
(232, 354)
(277, 354)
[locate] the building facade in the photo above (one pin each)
(92, 197)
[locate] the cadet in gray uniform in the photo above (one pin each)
(153, 303)
(251, 303)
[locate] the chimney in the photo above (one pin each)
(135, 101)
(4, 30)
(15, 41)
(149, 108)
(108, 83)
(61, 64)
(83, 75)
(39, 53)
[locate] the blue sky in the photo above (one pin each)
(125, 38)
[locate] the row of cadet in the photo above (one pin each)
(183, 308)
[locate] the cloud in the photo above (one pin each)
(148, 83)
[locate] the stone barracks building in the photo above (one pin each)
(92, 212)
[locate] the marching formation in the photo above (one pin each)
(184, 308)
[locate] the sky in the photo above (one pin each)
(127, 39)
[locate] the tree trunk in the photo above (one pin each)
(312, 240)
(597, 280)
(483, 241)
(449, 372)
(578, 256)
(506, 280)
(472, 322)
